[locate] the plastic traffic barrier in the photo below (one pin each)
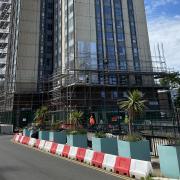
(66, 150)
(25, 140)
(59, 149)
(122, 166)
(88, 156)
(37, 143)
(53, 148)
(72, 152)
(98, 159)
(140, 169)
(21, 139)
(16, 138)
(41, 144)
(32, 142)
(80, 154)
(109, 162)
(47, 146)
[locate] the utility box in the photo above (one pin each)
(6, 129)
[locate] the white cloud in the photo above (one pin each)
(153, 5)
(166, 30)
(157, 3)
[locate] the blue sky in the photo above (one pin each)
(164, 27)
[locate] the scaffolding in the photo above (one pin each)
(93, 90)
(5, 10)
(90, 90)
(5, 13)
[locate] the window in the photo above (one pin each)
(138, 80)
(103, 94)
(123, 80)
(112, 80)
(114, 94)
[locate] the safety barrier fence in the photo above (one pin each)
(120, 165)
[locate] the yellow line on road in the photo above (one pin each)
(76, 162)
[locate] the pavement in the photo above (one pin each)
(18, 162)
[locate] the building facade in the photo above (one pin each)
(74, 54)
(101, 51)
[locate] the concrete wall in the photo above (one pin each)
(142, 35)
(85, 20)
(127, 32)
(142, 40)
(85, 33)
(28, 47)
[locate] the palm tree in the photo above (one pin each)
(41, 114)
(75, 116)
(133, 105)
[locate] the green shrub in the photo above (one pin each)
(76, 132)
(147, 178)
(100, 135)
(133, 138)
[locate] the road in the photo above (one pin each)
(21, 163)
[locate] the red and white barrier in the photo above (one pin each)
(88, 156)
(26, 140)
(109, 162)
(81, 152)
(72, 152)
(16, 138)
(98, 159)
(37, 143)
(41, 144)
(32, 142)
(53, 148)
(47, 146)
(21, 139)
(140, 169)
(124, 166)
(59, 149)
(66, 150)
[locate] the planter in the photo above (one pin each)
(169, 157)
(31, 132)
(135, 150)
(78, 140)
(105, 145)
(26, 132)
(58, 137)
(44, 135)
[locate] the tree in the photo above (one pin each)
(75, 117)
(173, 80)
(41, 115)
(133, 105)
(177, 100)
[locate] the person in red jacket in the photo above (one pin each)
(92, 120)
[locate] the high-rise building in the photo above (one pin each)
(74, 54)
(101, 51)
(30, 46)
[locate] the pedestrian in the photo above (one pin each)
(92, 121)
